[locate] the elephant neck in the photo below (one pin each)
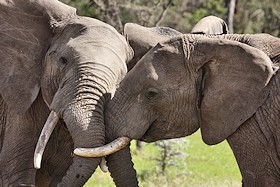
(254, 145)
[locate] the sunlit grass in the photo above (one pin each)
(200, 166)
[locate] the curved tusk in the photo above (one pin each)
(44, 137)
(103, 165)
(107, 149)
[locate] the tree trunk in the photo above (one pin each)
(230, 15)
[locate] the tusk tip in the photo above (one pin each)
(37, 161)
(103, 166)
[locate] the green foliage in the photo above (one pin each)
(210, 7)
(171, 155)
(197, 164)
(84, 8)
(252, 16)
(258, 16)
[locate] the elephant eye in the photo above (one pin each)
(62, 61)
(151, 93)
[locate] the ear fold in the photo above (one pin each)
(25, 32)
(142, 39)
(234, 85)
(210, 25)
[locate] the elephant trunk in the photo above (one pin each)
(86, 126)
(82, 113)
(121, 168)
(120, 163)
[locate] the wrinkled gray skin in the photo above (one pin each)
(52, 59)
(217, 83)
(142, 39)
(210, 25)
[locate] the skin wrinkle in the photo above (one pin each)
(98, 66)
(107, 47)
(3, 116)
(83, 108)
(24, 31)
(267, 115)
(20, 39)
(192, 74)
(239, 142)
(85, 79)
(118, 115)
(105, 78)
(19, 152)
(266, 121)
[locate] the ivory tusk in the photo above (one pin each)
(44, 137)
(103, 165)
(107, 149)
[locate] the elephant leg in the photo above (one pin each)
(20, 137)
(16, 158)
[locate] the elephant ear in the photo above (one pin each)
(234, 85)
(25, 32)
(142, 39)
(210, 25)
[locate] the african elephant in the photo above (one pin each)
(54, 62)
(226, 85)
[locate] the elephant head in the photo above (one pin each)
(180, 85)
(191, 82)
(210, 25)
(74, 63)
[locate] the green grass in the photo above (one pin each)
(200, 166)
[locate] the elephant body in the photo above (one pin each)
(227, 85)
(53, 60)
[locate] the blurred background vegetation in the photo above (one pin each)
(187, 161)
(250, 16)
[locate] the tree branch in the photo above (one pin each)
(163, 13)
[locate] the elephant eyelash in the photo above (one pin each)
(152, 94)
(63, 61)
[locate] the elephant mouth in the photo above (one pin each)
(150, 132)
